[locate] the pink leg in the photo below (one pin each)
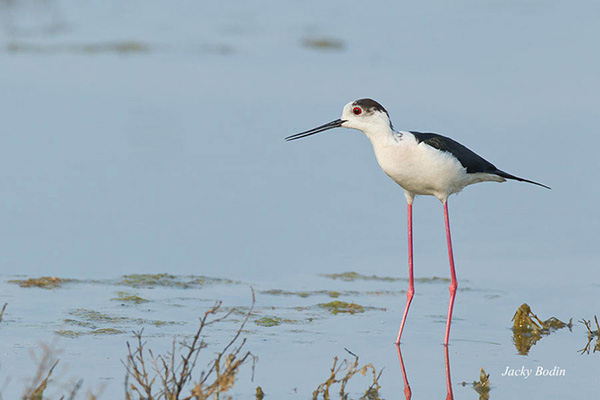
(407, 391)
(411, 283)
(449, 394)
(453, 281)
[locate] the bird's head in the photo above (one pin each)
(365, 115)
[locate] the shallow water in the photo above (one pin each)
(149, 139)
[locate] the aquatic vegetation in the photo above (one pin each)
(354, 276)
(68, 333)
(120, 47)
(528, 328)
(433, 279)
(337, 306)
(167, 280)
(591, 335)
(331, 293)
(129, 298)
(482, 387)
(91, 320)
(2, 311)
(273, 321)
(44, 282)
(323, 43)
(342, 373)
(96, 316)
(75, 334)
(259, 393)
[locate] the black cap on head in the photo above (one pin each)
(370, 105)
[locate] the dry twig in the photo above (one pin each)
(172, 372)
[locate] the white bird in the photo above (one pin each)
(422, 164)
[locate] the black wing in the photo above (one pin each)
(471, 161)
(468, 159)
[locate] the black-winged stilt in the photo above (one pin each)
(422, 164)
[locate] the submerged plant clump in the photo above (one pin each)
(528, 328)
(44, 282)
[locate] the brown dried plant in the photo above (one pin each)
(591, 335)
(169, 376)
(46, 364)
(348, 370)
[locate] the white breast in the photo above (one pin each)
(421, 169)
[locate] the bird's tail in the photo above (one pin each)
(516, 178)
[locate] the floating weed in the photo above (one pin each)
(98, 317)
(82, 324)
(433, 279)
(106, 331)
(354, 276)
(337, 306)
(331, 293)
(342, 373)
(167, 280)
(44, 282)
(323, 43)
(385, 292)
(273, 321)
(131, 298)
(120, 47)
(528, 328)
(90, 319)
(69, 333)
(591, 335)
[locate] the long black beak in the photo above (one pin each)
(333, 124)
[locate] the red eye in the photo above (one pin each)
(357, 110)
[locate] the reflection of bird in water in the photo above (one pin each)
(422, 164)
(408, 392)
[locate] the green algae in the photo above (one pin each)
(354, 276)
(101, 331)
(98, 317)
(69, 333)
(82, 324)
(433, 279)
(304, 294)
(129, 298)
(119, 47)
(44, 282)
(106, 331)
(336, 307)
(91, 319)
(168, 280)
(273, 321)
